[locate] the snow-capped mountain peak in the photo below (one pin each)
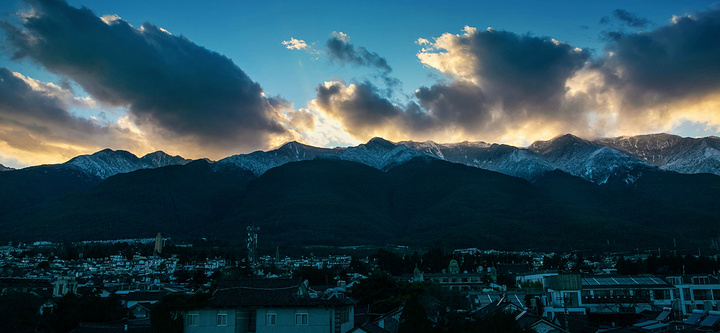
(108, 162)
(671, 152)
(602, 161)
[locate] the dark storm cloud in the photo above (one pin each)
(460, 103)
(675, 61)
(523, 71)
(339, 50)
(500, 78)
(361, 108)
(167, 81)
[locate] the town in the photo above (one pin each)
(161, 285)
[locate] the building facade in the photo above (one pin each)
(271, 305)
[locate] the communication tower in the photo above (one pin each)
(252, 237)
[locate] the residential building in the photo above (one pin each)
(453, 279)
(695, 292)
(271, 305)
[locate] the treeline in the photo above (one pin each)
(436, 260)
(19, 312)
(668, 265)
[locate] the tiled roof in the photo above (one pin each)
(267, 293)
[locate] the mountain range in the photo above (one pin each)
(627, 192)
(621, 159)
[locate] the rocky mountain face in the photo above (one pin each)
(620, 160)
(4, 168)
(512, 161)
(671, 152)
(591, 161)
(107, 162)
(377, 153)
(259, 162)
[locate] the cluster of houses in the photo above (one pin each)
(553, 303)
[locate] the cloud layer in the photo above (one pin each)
(170, 85)
(515, 88)
(500, 81)
(340, 49)
(34, 117)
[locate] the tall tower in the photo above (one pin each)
(252, 246)
(158, 244)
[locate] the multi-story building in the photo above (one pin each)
(453, 279)
(271, 305)
(695, 292)
(606, 294)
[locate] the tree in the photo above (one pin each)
(389, 261)
(380, 291)
(414, 317)
(501, 322)
(166, 315)
(19, 312)
(71, 310)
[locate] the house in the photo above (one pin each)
(140, 310)
(65, 285)
(387, 323)
(454, 279)
(271, 305)
(524, 319)
(149, 297)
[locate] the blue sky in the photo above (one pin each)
(402, 70)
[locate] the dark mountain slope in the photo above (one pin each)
(27, 187)
(423, 202)
(174, 200)
(329, 202)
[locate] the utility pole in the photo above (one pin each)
(565, 310)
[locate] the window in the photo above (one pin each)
(222, 319)
(193, 319)
(270, 319)
(301, 319)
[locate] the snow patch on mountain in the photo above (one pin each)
(108, 162)
(259, 162)
(513, 161)
(671, 152)
(379, 153)
(602, 161)
(591, 161)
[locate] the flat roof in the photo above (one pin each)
(621, 281)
